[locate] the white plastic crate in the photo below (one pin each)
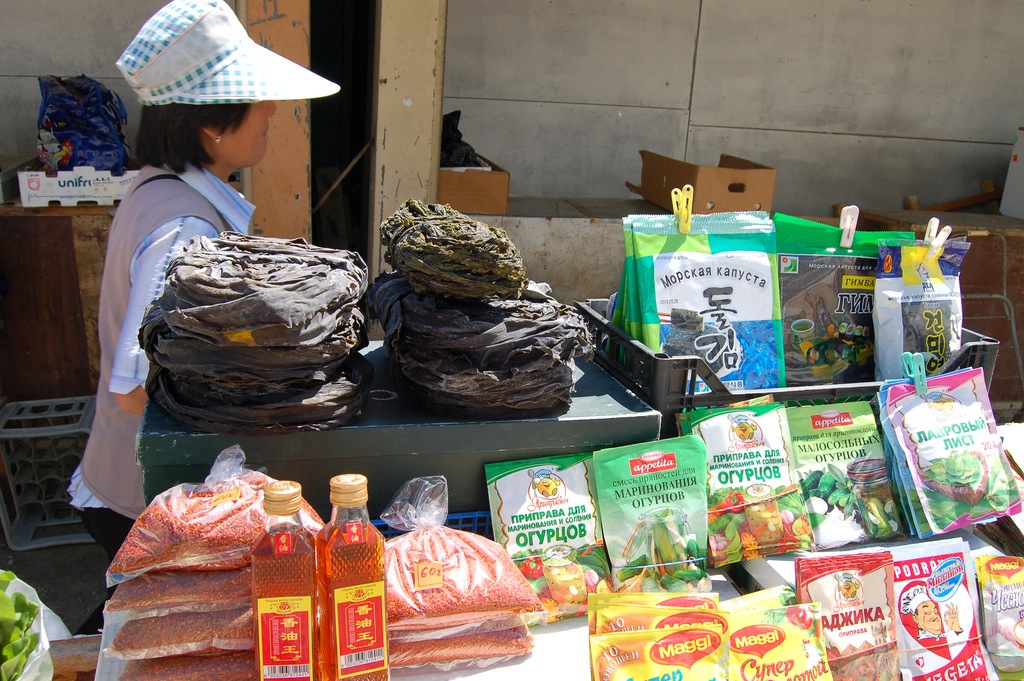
(42, 442)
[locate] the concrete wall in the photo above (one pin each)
(853, 101)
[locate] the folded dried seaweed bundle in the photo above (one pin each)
(441, 251)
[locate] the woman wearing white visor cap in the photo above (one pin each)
(208, 92)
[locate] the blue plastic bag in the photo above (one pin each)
(81, 123)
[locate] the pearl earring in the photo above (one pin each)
(217, 139)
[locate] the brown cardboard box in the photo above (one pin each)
(735, 184)
(474, 190)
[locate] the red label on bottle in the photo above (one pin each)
(354, 533)
(362, 646)
(283, 543)
(285, 651)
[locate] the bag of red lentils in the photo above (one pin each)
(210, 526)
(442, 579)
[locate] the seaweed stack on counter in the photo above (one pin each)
(467, 333)
(258, 335)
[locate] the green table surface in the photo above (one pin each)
(395, 439)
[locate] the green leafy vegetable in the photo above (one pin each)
(959, 469)
(17, 613)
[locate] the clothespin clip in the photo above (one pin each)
(848, 224)
(932, 230)
(913, 368)
(937, 243)
(682, 206)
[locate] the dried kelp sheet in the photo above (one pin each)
(441, 251)
(483, 358)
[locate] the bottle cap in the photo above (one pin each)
(282, 497)
(348, 490)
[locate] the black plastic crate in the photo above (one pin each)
(669, 384)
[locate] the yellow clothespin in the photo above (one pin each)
(848, 224)
(913, 368)
(682, 206)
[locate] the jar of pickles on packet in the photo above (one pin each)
(874, 499)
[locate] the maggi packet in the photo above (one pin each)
(917, 304)
(1001, 579)
(840, 462)
(782, 644)
(827, 295)
(755, 507)
(612, 619)
(858, 612)
(686, 653)
(773, 597)
(653, 506)
(597, 601)
(711, 292)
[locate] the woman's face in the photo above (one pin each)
(243, 147)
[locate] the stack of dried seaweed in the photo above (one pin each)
(259, 335)
(468, 335)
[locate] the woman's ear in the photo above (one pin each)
(210, 136)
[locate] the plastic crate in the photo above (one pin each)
(42, 443)
(669, 383)
(477, 522)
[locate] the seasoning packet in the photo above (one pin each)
(210, 526)
(765, 599)
(755, 508)
(1001, 581)
(827, 295)
(612, 619)
(947, 452)
(840, 462)
(653, 506)
(712, 293)
(685, 653)
(782, 644)
(935, 591)
(543, 512)
(917, 304)
(704, 601)
(858, 612)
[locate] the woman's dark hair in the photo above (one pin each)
(170, 134)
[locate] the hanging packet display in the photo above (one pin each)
(946, 452)
(544, 514)
(917, 304)
(936, 594)
(858, 612)
(652, 501)
(712, 293)
(827, 296)
(1001, 581)
(755, 507)
(781, 644)
(840, 462)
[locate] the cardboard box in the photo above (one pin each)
(736, 184)
(84, 184)
(474, 190)
(1013, 191)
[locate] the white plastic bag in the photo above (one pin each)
(45, 626)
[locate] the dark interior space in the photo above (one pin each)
(342, 48)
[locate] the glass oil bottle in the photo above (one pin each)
(350, 576)
(284, 588)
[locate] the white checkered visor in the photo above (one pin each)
(197, 52)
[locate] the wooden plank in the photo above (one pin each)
(43, 352)
(90, 233)
(281, 182)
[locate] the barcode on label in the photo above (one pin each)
(366, 657)
(286, 671)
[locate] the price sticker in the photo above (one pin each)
(428, 575)
(227, 497)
